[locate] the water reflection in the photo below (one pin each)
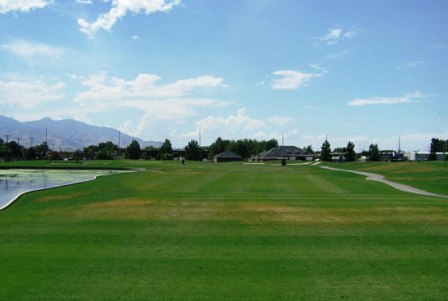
(16, 182)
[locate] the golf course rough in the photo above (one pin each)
(225, 232)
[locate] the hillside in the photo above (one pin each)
(63, 134)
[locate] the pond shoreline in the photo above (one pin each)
(9, 203)
(92, 178)
(64, 168)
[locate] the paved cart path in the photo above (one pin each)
(380, 178)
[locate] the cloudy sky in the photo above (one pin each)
(364, 71)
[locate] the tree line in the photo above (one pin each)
(245, 148)
(437, 146)
(348, 153)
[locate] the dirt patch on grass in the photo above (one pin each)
(141, 209)
(121, 208)
(267, 213)
(252, 213)
(56, 198)
(325, 185)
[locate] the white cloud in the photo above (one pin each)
(135, 37)
(291, 79)
(319, 68)
(119, 10)
(338, 55)
(408, 98)
(439, 47)
(231, 126)
(164, 107)
(78, 112)
(282, 121)
(335, 35)
(410, 65)
(29, 94)
(84, 1)
(30, 50)
(143, 88)
(22, 5)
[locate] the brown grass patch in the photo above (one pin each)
(325, 185)
(268, 213)
(121, 208)
(141, 209)
(253, 213)
(55, 198)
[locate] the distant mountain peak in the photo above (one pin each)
(65, 133)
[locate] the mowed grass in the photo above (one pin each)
(224, 232)
(430, 176)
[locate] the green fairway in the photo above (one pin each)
(228, 232)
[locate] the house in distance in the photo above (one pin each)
(284, 152)
(226, 157)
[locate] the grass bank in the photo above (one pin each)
(430, 176)
(224, 231)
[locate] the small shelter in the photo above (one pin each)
(226, 157)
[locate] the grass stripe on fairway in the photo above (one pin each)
(225, 232)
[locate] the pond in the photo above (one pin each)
(15, 182)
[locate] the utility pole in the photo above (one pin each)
(119, 142)
(119, 139)
(31, 141)
(199, 138)
(7, 148)
(18, 140)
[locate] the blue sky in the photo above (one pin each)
(360, 71)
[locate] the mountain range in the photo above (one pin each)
(63, 134)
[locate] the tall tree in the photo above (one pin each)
(193, 151)
(42, 150)
(350, 154)
(133, 150)
(217, 147)
(166, 150)
(374, 152)
(271, 144)
(325, 153)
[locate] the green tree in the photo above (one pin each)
(133, 150)
(217, 147)
(437, 145)
(14, 149)
(325, 153)
(374, 152)
(166, 150)
(350, 154)
(193, 151)
(242, 148)
(42, 150)
(309, 149)
(30, 153)
(271, 144)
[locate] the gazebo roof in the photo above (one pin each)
(227, 155)
(281, 151)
